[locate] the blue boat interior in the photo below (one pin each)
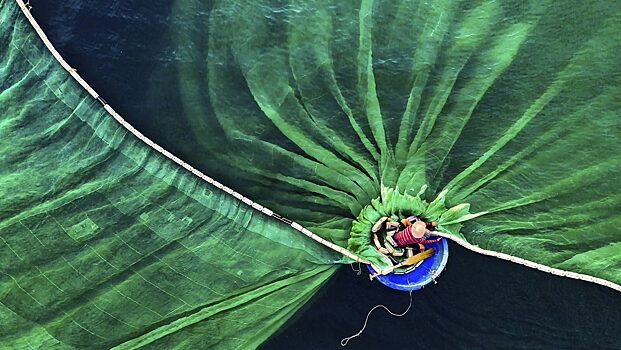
(421, 275)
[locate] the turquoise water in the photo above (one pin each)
(125, 51)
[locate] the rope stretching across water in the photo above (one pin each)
(26, 10)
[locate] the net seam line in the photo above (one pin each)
(269, 212)
(73, 72)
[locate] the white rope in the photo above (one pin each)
(73, 72)
(346, 340)
(529, 263)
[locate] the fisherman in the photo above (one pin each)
(415, 233)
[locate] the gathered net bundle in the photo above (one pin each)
(313, 109)
(508, 106)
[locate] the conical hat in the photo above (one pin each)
(418, 229)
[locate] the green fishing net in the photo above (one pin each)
(509, 106)
(106, 243)
(313, 109)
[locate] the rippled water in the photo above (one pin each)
(124, 49)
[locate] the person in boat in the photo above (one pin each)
(415, 233)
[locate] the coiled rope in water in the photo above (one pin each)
(346, 340)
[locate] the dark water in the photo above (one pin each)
(479, 302)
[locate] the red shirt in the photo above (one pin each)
(404, 238)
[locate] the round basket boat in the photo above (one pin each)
(420, 275)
